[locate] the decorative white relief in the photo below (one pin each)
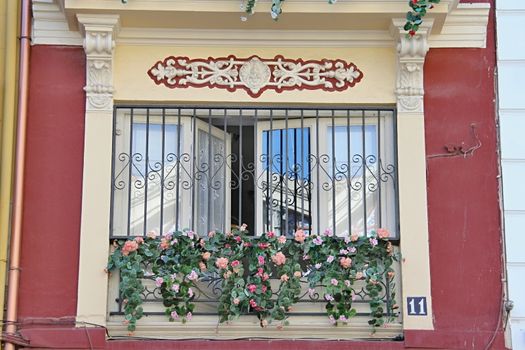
(411, 52)
(255, 75)
(99, 43)
(99, 90)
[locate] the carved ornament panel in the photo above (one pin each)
(254, 74)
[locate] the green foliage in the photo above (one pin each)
(414, 17)
(245, 265)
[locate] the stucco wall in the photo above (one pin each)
(462, 192)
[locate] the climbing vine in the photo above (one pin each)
(244, 266)
(414, 17)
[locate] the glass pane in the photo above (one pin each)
(353, 195)
(287, 186)
(210, 183)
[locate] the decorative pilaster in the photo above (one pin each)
(412, 180)
(411, 52)
(99, 32)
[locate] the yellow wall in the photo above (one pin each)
(9, 24)
(132, 82)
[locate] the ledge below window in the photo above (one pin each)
(247, 327)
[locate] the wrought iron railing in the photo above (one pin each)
(276, 169)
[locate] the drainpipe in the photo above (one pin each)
(8, 77)
(16, 236)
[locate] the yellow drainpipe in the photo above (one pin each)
(9, 29)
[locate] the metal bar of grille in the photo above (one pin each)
(113, 180)
(195, 163)
(146, 175)
(163, 154)
(363, 157)
(349, 172)
(178, 158)
(286, 152)
(209, 189)
(240, 168)
(378, 163)
(334, 177)
(256, 172)
(302, 168)
(225, 158)
(131, 156)
(318, 173)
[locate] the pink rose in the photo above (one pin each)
(236, 301)
(264, 288)
(263, 245)
(222, 263)
(285, 278)
(373, 242)
(237, 239)
(164, 244)
(174, 315)
(139, 240)
(265, 277)
(260, 272)
(260, 259)
(354, 237)
(152, 234)
(300, 236)
(190, 292)
(334, 282)
(270, 234)
(347, 283)
(281, 239)
(279, 259)
(189, 315)
(193, 275)
(235, 263)
(328, 232)
(252, 288)
(243, 227)
(129, 246)
(211, 234)
(159, 281)
(206, 255)
(297, 274)
(253, 303)
(330, 259)
(382, 233)
(345, 262)
(175, 288)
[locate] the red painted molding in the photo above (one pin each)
(254, 74)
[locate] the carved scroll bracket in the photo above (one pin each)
(411, 52)
(99, 32)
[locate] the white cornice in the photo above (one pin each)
(465, 26)
(50, 26)
(254, 38)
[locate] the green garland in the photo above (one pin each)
(414, 17)
(244, 265)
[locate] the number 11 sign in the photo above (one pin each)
(417, 306)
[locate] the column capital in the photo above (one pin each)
(99, 33)
(411, 52)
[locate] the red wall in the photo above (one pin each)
(53, 182)
(463, 203)
(464, 214)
